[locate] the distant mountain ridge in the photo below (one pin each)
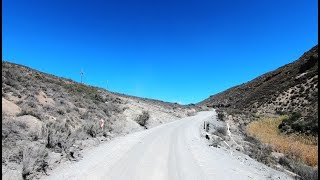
(290, 88)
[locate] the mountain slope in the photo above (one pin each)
(288, 89)
(47, 119)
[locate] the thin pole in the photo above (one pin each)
(81, 74)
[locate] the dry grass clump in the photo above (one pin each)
(301, 147)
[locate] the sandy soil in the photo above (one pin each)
(10, 108)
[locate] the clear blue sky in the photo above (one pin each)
(177, 51)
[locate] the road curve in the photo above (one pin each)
(173, 151)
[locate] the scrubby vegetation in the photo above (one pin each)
(259, 151)
(290, 92)
(221, 131)
(300, 147)
(296, 123)
(64, 110)
(86, 91)
(290, 88)
(304, 171)
(220, 115)
(58, 117)
(35, 160)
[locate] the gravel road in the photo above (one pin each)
(171, 151)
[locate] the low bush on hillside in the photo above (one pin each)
(221, 131)
(11, 132)
(20, 145)
(35, 160)
(143, 118)
(57, 133)
(220, 115)
(259, 151)
(93, 129)
(280, 112)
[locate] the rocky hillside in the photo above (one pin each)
(47, 119)
(290, 89)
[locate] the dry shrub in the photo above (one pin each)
(220, 115)
(259, 151)
(35, 160)
(92, 128)
(304, 171)
(222, 130)
(300, 147)
(56, 134)
(143, 118)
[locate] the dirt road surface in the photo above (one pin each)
(171, 151)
